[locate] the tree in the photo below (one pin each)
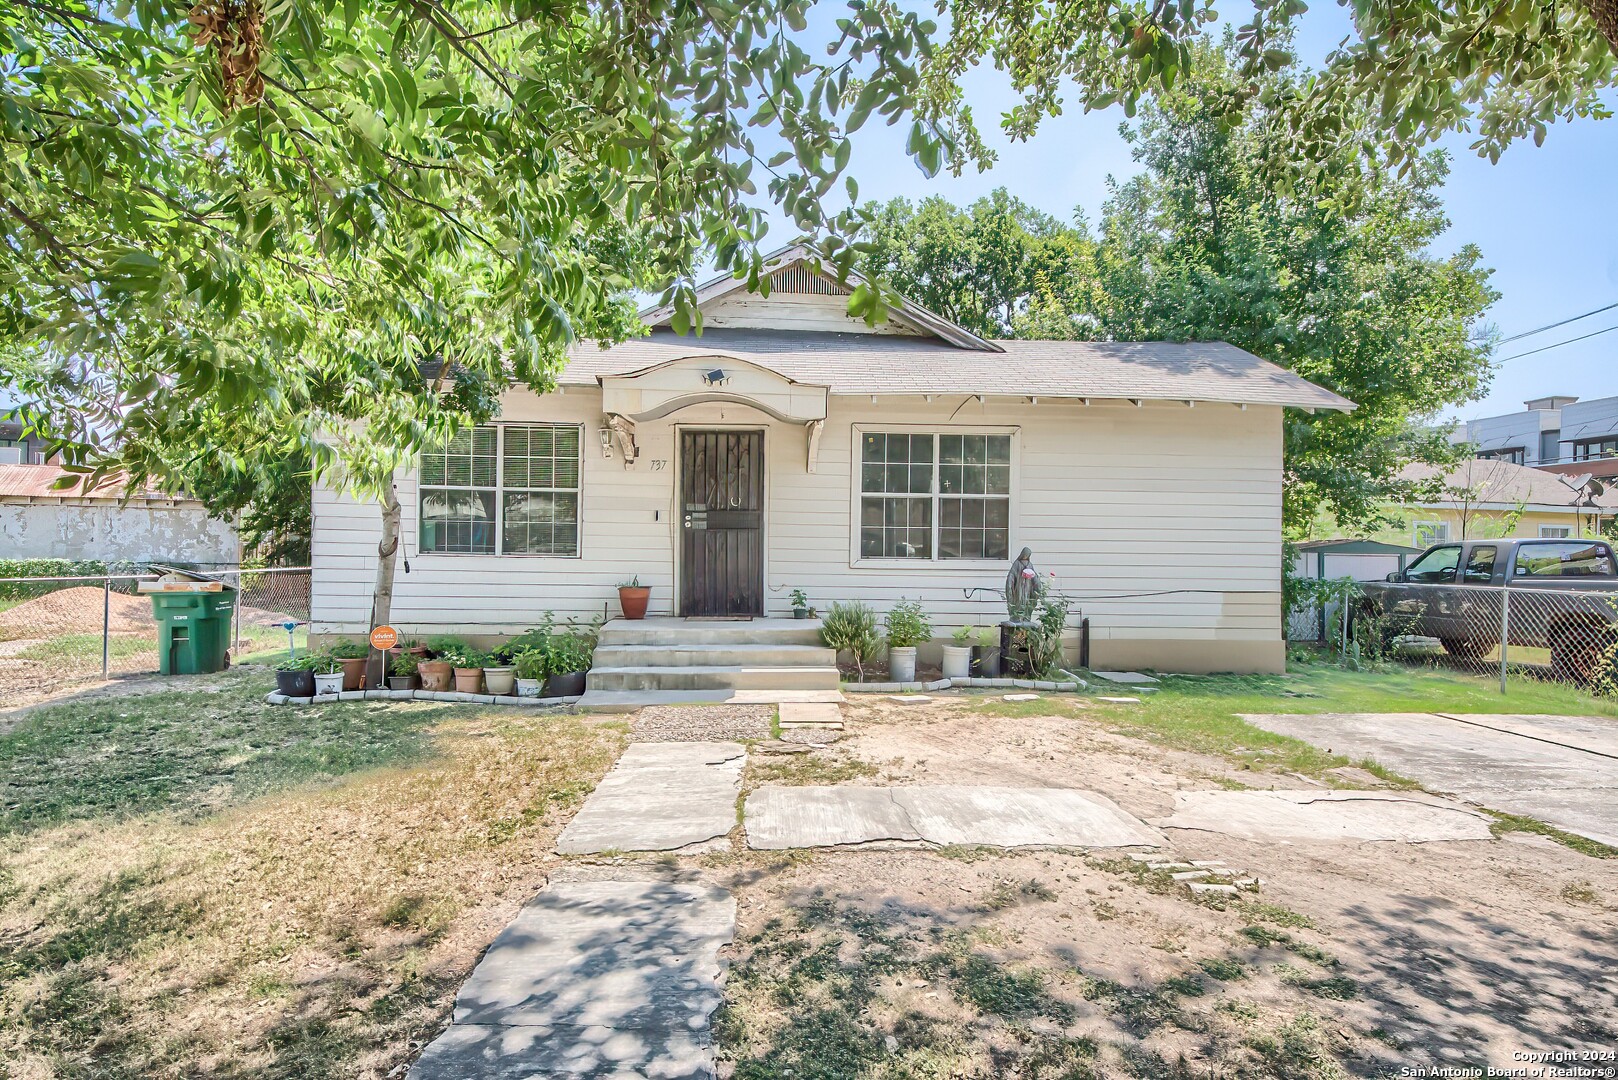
(1339, 287)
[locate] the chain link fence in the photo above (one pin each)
(61, 631)
(1547, 633)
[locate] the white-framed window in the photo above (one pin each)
(1428, 533)
(502, 489)
(934, 496)
(1555, 532)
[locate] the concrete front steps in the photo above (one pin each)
(667, 661)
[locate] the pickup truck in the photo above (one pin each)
(1563, 598)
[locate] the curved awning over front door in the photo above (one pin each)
(658, 391)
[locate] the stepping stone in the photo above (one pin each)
(1128, 678)
(593, 979)
(1191, 875)
(1019, 697)
(800, 817)
(910, 699)
(661, 797)
(1325, 815)
(1199, 887)
(1121, 700)
(776, 746)
(810, 714)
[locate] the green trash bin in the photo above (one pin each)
(193, 630)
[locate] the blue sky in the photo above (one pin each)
(1542, 216)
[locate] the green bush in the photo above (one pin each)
(851, 628)
(907, 625)
(1045, 641)
(571, 650)
(404, 664)
(532, 662)
(350, 650)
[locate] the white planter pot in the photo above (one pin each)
(499, 680)
(530, 687)
(957, 661)
(902, 664)
(329, 684)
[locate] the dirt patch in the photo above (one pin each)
(1352, 959)
(76, 611)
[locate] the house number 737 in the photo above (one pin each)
(659, 464)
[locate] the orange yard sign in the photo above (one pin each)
(384, 638)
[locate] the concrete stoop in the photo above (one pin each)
(688, 656)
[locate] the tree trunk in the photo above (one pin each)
(387, 551)
(1605, 13)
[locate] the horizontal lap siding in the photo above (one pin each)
(1114, 499)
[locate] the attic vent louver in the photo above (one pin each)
(798, 278)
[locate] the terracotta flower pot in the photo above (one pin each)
(499, 680)
(353, 672)
(435, 674)
(633, 599)
(468, 680)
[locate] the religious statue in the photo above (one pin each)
(1024, 587)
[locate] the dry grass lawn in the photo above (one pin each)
(196, 884)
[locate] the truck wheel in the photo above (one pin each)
(1465, 648)
(1577, 652)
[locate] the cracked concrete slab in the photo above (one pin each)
(1325, 815)
(661, 797)
(593, 979)
(1554, 768)
(802, 817)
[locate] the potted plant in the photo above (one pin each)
(907, 628)
(986, 654)
(571, 652)
(800, 604)
(468, 664)
(330, 678)
(633, 597)
(531, 665)
(402, 671)
(958, 657)
(499, 677)
(851, 628)
(294, 676)
(351, 655)
(435, 674)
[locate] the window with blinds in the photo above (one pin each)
(503, 489)
(935, 497)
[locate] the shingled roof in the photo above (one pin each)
(853, 363)
(1495, 482)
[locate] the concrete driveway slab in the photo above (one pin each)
(802, 817)
(1503, 762)
(1325, 815)
(661, 797)
(593, 979)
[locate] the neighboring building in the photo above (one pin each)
(1485, 498)
(18, 449)
(1530, 437)
(1561, 432)
(791, 446)
(41, 521)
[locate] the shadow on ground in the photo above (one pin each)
(193, 749)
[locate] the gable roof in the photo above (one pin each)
(797, 268)
(851, 364)
(1499, 482)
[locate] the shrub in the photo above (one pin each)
(532, 663)
(404, 664)
(1045, 638)
(323, 663)
(350, 650)
(963, 636)
(570, 651)
(306, 662)
(851, 628)
(907, 625)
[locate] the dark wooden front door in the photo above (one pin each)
(721, 522)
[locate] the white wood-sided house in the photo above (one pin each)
(790, 446)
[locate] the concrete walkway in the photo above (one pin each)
(594, 979)
(1562, 770)
(1325, 815)
(803, 817)
(661, 797)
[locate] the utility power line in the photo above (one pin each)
(1554, 325)
(1559, 344)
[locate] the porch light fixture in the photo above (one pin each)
(716, 377)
